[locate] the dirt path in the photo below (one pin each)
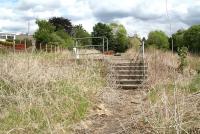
(117, 112)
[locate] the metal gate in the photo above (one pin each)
(103, 46)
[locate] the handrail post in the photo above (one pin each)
(143, 48)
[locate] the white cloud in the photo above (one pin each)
(139, 16)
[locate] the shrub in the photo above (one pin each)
(194, 85)
(182, 53)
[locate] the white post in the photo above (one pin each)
(25, 45)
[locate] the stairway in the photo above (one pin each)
(129, 74)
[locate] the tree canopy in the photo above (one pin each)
(135, 42)
(178, 41)
(61, 23)
(46, 34)
(79, 32)
(120, 36)
(43, 34)
(102, 30)
(191, 38)
(158, 39)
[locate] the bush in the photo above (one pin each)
(182, 53)
(5, 43)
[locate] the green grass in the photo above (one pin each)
(71, 105)
(194, 85)
(60, 99)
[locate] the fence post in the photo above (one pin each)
(46, 48)
(33, 45)
(25, 45)
(51, 48)
(40, 46)
(14, 47)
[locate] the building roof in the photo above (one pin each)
(6, 33)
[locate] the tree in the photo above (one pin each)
(46, 34)
(135, 42)
(67, 40)
(192, 38)
(79, 32)
(61, 23)
(43, 34)
(178, 40)
(158, 39)
(102, 30)
(120, 35)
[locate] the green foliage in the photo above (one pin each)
(182, 53)
(102, 30)
(61, 23)
(135, 42)
(158, 39)
(43, 34)
(116, 34)
(194, 85)
(46, 34)
(120, 35)
(72, 107)
(178, 40)
(5, 43)
(192, 38)
(66, 37)
(80, 32)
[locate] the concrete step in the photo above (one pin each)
(131, 76)
(128, 86)
(129, 67)
(130, 64)
(131, 72)
(129, 81)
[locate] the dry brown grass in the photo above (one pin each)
(45, 92)
(170, 108)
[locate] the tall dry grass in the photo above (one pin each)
(172, 105)
(45, 92)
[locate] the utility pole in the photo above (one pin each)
(28, 28)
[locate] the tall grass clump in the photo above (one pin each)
(45, 93)
(173, 98)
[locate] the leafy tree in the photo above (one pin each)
(102, 30)
(79, 32)
(61, 23)
(178, 40)
(120, 35)
(66, 37)
(135, 42)
(46, 34)
(43, 34)
(158, 39)
(192, 38)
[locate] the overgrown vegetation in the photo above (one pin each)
(182, 53)
(44, 93)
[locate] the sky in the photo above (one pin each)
(138, 16)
